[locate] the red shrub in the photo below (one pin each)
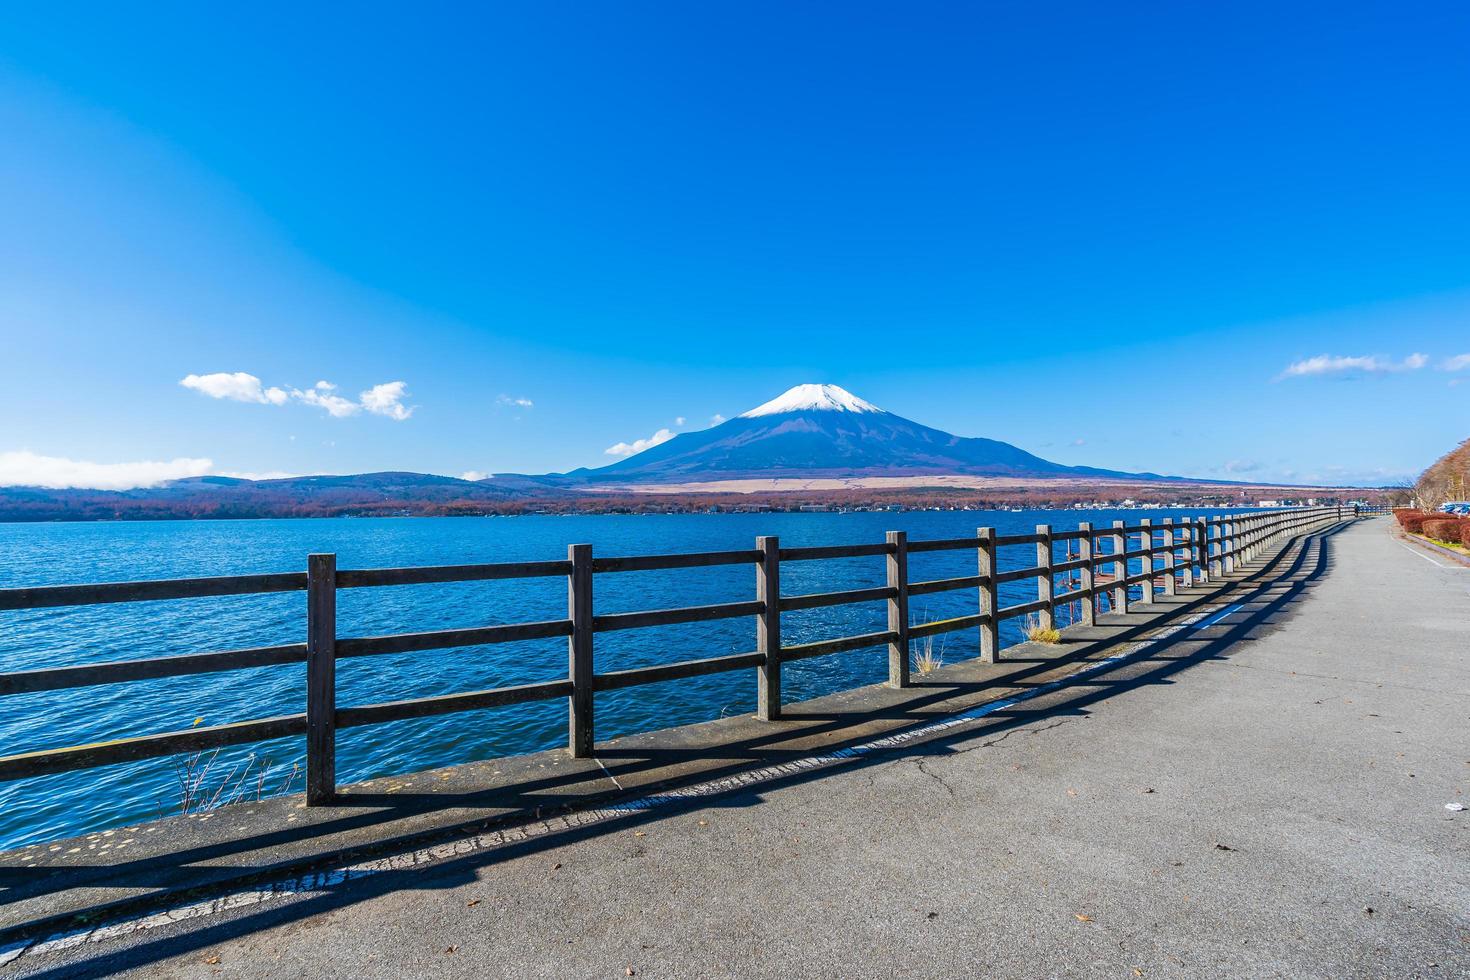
(1414, 523)
(1406, 514)
(1443, 529)
(1465, 533)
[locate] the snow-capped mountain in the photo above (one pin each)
(823, 431)
(812, 398)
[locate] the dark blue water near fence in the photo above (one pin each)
(48, 807)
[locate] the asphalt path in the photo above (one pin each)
(1265, 791)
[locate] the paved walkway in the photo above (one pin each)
(1260, 792)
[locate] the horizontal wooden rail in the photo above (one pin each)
(943, 544)
(947, 584)
(360, 578)
(671, 617)
(50, 596)
(817, 600)
(1011, 612)
(633, 677)
(937, 626)
(1003, 540)
(148, 747)
(648, 563)
(835, 551)
(119, 671)
(842, 644)
(368, 646)
(1016, 575)
(443, 704)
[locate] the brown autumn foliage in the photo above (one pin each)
(1465, 533)
(1443, 529)
(1447, 479)
(1414, 523)
(1405, 514)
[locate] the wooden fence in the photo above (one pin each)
(1171, 554)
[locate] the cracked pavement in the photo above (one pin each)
(1275, 807)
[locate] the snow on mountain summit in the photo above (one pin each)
(813, 398)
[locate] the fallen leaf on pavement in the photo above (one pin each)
(452, 949)
(1083, 918)
(472, 903)
(212, 960)
(1223, 847)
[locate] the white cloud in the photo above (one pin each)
(336, 406)
(237, 387)
(1242, 466)
(474, 476)
(508, 401)
(27, 469)
(1457, 363)
(385, 399)
(1079, 442)
(1338, 363)
(267, 475)
(680, 420)
(716, 419)
(638, 445)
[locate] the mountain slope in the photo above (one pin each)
(825, 431)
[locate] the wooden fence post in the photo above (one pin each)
(321, 679)
(989, 596)
(1120, 568)
(1215, 547)
(1045, 583)
(1187, 572)
(1089, 599)
(1147, 539)
(768, 628)
(898, 609)
(579, 651)
(1227, 543)
(1171, 587)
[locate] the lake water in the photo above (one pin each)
(49, 807)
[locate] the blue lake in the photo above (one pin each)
(52, 554)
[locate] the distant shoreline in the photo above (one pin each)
(781, 495)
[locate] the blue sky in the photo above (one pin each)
(1101, 232)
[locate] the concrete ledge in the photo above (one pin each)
(1427, 545)
(120, 872)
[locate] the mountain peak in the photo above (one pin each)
(813, 398)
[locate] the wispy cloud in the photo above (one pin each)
(236, 387)
(624, 449)
(1457, 363)
(1241, 466)
(267, 475)
(716, 419)
(383, 399)
(510, 401)
(28, 469)
(321, 395)
(474, 476)
(1344, 364)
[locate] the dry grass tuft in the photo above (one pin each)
(1037, 633)
(926, 661)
